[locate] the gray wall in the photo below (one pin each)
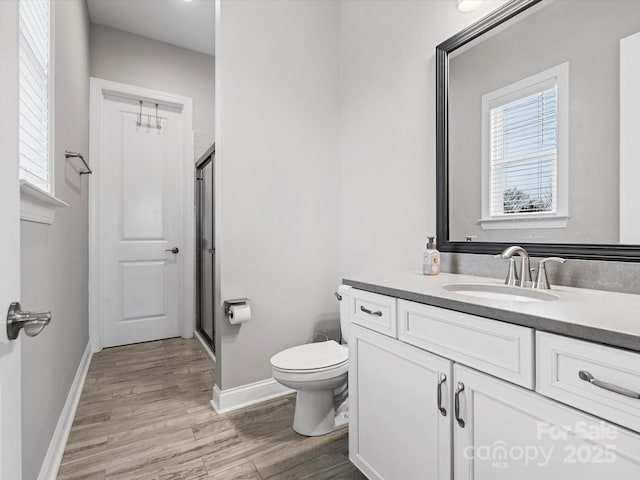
(277, 177)
(334, 149)
(387, 158)
(124, 57)
(54, 258)
(587, 35)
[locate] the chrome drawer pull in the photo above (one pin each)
(587, 377)
(369, 312)
(456, 407)
(443, 378)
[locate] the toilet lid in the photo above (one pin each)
(311, 356)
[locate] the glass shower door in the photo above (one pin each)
(205, 248)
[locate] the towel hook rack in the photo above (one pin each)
(139, 123)
(68, 154)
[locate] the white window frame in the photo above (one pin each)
(558, 75)
(37, 205)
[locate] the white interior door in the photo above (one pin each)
(141, 198)
(10, 412)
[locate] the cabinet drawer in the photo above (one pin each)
(494, 347)
(376, 312)
(559, 361)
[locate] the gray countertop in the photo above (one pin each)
(609, 318)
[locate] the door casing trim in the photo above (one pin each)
(98, 88)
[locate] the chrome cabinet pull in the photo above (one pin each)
(174, 250)
(443, 378)
(459, 390)
(369, 312)
(32, 322)
(587, 377)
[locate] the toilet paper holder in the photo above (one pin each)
(233, 302)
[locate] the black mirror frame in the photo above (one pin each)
(610, 252)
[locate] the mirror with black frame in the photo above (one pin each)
(538, 132)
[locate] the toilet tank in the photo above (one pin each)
(345, 292)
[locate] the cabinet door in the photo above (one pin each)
(396, 430)
(512, 433)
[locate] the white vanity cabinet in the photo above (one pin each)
(445, 395)
(512, 433)
(396, 430)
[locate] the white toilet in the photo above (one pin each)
(318, 371)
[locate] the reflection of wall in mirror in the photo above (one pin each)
(629, 139)
(587, 35)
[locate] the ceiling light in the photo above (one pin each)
(468, 5)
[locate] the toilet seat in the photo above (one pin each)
(311, 357)
(311, 376)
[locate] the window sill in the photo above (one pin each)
(524, 221)
(36, 205)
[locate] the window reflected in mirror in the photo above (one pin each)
(540, 115)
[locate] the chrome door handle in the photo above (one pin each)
(443, 378)
(369, 312)
(32, 322)
(459, 390)
(587, 377)
(174, 250)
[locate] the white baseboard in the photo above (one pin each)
(51, 463)
(207, 348)
(234, 398)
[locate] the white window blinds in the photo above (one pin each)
(523, 154)
(34, 92)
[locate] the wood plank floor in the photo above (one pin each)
(145, 414)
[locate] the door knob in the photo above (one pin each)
(32, 322)
(174, 250)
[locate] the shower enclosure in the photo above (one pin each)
(205, 247)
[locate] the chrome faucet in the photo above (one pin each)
(525, 271)
(542, 282)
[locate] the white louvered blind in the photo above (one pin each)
(523, 154)
(34, 92)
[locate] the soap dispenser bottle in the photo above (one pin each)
(431, 260)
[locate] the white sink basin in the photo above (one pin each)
(500, 292)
